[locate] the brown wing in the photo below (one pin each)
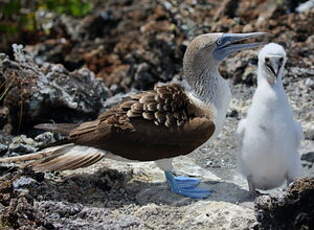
(152, 125)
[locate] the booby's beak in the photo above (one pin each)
(228, 44)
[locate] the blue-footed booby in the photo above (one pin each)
(269, 136)
(157, 125)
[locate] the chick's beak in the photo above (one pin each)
(274, 65)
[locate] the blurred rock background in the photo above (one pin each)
(72, 59)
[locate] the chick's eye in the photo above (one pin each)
(281, 60)
(267, 60)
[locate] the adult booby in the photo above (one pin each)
(160, 124)
(269, 135)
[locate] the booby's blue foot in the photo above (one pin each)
(186, 186)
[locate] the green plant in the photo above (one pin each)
(20, 15)
(75, 8)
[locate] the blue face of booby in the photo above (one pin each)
(228, 44)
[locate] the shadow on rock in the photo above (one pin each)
(101, 188)
(107, 187)
(160, 194)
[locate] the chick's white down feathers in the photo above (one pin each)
(269, 136)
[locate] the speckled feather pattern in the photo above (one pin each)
(166, 106)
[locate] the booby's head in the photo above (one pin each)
(271, 62)
(206, 51)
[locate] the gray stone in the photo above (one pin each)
(22, 145)
(308, 157)
(51, 91)
(3, 149)
(24, 182)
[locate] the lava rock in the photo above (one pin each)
(22, 145)
(127, 46)
(47, 138)
(3, 149)
(308, 157)
(294, 210)
(49, 92)
(18, 210)
(4, 143)
(24, 182)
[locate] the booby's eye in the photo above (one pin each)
(266, 59)
(219, 42)
(281, 60)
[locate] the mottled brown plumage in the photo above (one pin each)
(151, 125)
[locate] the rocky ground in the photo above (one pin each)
(87, 65)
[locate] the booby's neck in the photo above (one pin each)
(213, 91)
(208, 86)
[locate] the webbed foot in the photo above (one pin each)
(186, 186)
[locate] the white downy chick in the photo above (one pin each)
(269, 136)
